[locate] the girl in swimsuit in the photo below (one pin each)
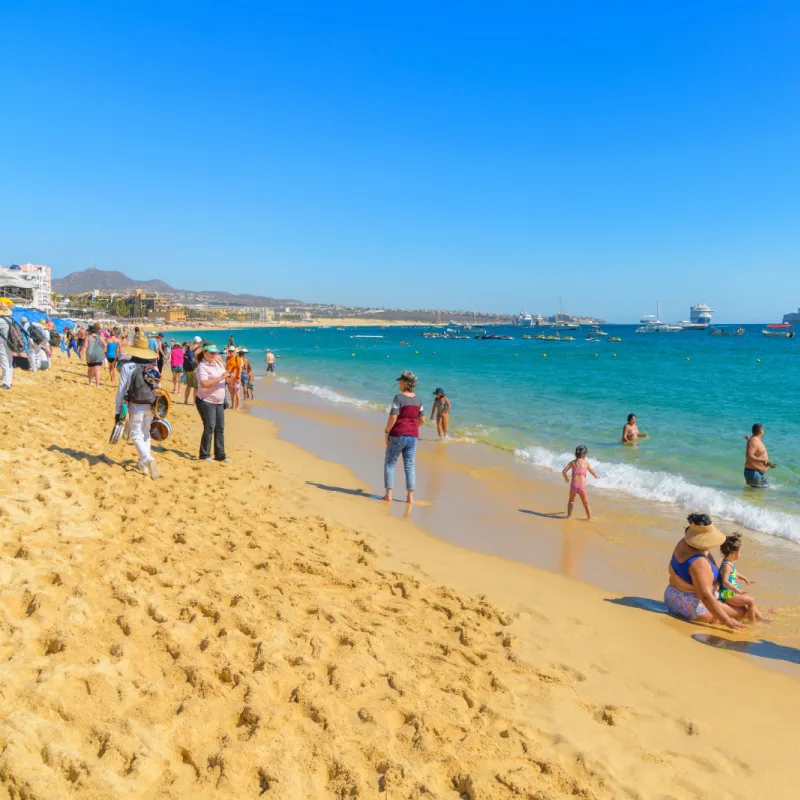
(441, 412)
(730, 592)
(579, 467)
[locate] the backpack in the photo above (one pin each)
(94, 350)
(35, 333)
(189, 360)
(15, 336)
(139, 390)
(55, 339)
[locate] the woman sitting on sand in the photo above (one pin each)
(694, 576)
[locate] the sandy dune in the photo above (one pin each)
(213, 635)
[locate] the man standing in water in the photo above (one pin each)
(270, 362)
(756, 460)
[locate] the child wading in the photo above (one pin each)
(579, 467)
(730, 592)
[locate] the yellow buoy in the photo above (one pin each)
(595, 355)
(544, 355)
(433, 353)
(687, 358)
(516, 355)
(353, 355)
(416, 352)
(388, 356)
(613, 355)
(758, 361)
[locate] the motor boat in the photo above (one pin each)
(722, 330)
(651, 323)
(779, 331)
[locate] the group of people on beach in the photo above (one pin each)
(26, 344)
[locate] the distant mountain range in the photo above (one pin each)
(89, 280)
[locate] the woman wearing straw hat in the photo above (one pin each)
(141, 383)
(693, 577)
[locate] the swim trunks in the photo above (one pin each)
(755, 478)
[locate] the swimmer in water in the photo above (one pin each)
(631, 432)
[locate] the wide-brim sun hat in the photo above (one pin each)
(142, 353)
(703, 537)
(5, 311)
(438, 391)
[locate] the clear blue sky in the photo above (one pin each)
(413, 154)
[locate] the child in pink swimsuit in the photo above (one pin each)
(579, 467)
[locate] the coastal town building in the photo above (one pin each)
(28, 285)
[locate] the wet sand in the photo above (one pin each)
(483, 498)
(236, 631)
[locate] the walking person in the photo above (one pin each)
(95, 355)
(112, 353)
(72, 342)
(270, 362)
(233, 364)
(191, 358)
(402, 433)
(248, 391)
(579, 466)
(138, 379)
(211, 380)
(176, 365)
(80, 337)
(441, 412)
(65, 341)
(6, 358)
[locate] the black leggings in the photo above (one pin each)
(213, 415)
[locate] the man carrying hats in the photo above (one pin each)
(138, 378)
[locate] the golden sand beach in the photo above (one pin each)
(231, 632)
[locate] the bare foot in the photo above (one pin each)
(388, 496)
(410, 498)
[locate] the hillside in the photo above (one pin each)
(88, 280)
(103, 280)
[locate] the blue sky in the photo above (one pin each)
(418, 154)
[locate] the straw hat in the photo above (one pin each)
(5, 311)
(140, 349)
(703, 537)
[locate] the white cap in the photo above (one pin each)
(198, 339)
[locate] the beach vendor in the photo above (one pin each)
(694, 577)
(138, 378)
(756, 460)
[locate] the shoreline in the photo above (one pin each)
(274, 637)
(469, 488)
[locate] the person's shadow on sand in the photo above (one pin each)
(80, 455)
(642, 603)
(343, 490)
(761, 648)
(552, 515)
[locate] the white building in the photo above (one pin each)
(35, 277)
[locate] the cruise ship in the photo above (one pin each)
(792, 318)
(699, 318)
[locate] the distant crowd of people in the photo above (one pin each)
(24, 345)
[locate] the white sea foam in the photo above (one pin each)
(669, 488)
(325, 393)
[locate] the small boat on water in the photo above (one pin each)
(495, 336)
(365, 336)
(591, 339)
(779, 331)
(567, 338)
(614, 339)
(596, 332)
(721, 330)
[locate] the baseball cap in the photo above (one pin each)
(408, 376)
(197, 339)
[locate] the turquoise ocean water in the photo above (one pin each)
(696, 395)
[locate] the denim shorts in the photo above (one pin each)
(755, 478)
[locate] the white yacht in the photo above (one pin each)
(524, 320)
(651, 323)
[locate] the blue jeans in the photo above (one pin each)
(73, 345)
(755, 478)
(407, 445)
